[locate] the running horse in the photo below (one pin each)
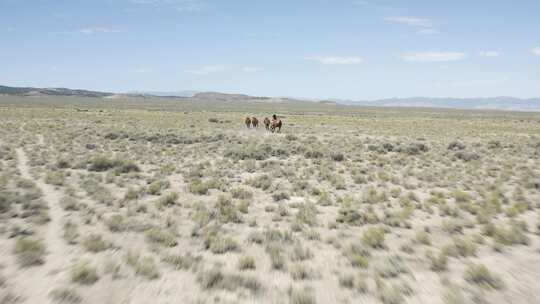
(254, 122)
(266, 122)
(248, 122)
(275, 124)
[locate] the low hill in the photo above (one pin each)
(29, 91)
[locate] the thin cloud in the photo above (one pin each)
(208, 69)
(536, 51)
(97, 30)
(489, 54)
(433, 56)
(336, 60)
(410, 21)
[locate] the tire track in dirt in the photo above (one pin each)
(37, 282)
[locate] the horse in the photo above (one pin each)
(266, 122)
(248, 122)
(254, 122)
(276, 124)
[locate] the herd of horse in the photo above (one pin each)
(273, 125)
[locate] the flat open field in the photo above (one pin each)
(166, 201)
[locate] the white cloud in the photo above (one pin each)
(208, 69)
(410, 21)
(536, 51)
(489, 53)
(251, 69)
(433, 56)
(97, 30)
(428, 31)
(336, 60)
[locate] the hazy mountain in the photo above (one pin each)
(226, 97)
(51, 91)
(493, 103)
(187, 93)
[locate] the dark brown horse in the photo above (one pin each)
(276, 125)
(248, 122)
(266, 122)
(254, 122)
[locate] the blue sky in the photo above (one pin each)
(350, 49)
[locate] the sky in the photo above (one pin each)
(346, 49)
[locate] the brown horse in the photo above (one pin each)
(266, 122)
(276, 125)
(248, 122)
(254, 122)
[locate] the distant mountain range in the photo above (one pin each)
(50, 91)
(493, 103)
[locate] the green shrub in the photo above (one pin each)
(161, 237)
(374, 237)
(29, 252)
(84, 273)
(480, 275)
(246, 262)
(95, 243)
(182, 262)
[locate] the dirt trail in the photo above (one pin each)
(39, 281)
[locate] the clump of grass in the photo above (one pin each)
(277, 260)
(84, 273)
(161, 237)
(219, 244)
(156, 187)
(69, 203)
(29, 251)
(241, 193)
(144, 266)
(216, 279)
(55, 178)
(147, 268)
(301, 272)
(438, 262)
(246, 263)
(453, 295)
(167, 200)
(116, 223)
(300, 253)
(346, 281)
(226, 210)
(465, 247)
(302, 296)
(182, 262)
(391, 267)
(374, 238)
(480, 275)
(102, 163)
(95, 243)
(422, 237)
(307, 214)
(65, 295)
(263, 182)
(358, 256)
